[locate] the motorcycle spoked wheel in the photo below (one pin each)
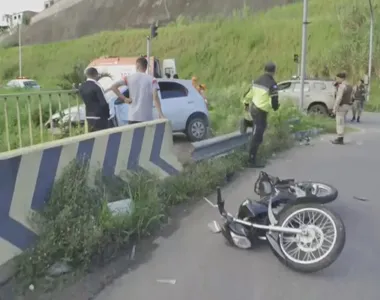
(320, 248)
(323, 192)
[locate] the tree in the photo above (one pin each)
(76, 76)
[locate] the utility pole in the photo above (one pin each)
(19, 48)
(303, 53)
(153, 34)
(148, 52)
(370, 54)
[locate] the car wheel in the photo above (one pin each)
(196, 129)
(318, 109)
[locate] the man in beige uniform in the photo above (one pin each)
(342, 105)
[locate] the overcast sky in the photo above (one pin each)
(14, 6)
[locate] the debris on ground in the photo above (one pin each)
(361, 198)
(133, 252)
(59, 268)
(121, 207)
(167, 281)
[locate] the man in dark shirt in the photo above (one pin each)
(97, 109)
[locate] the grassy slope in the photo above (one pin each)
(224, 53)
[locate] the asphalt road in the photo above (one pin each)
(204, 267)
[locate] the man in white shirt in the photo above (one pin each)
(143, 93)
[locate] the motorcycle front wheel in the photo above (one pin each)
(319, 246)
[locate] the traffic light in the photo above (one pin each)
(153, 30)
(295, 58)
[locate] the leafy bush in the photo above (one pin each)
(75, 77)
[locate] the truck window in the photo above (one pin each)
(297, 87)
(319, 86)
(284, 86)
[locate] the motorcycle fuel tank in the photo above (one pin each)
(251, 208)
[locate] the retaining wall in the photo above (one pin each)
(71, 19)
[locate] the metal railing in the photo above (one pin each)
(31, 118)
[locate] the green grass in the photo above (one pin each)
(26, 112)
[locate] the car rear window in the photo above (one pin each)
(30, 83)
(172, 90)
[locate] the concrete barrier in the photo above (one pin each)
(27, 175)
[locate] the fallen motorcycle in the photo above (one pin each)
(301, 231)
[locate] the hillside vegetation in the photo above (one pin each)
(225, 53)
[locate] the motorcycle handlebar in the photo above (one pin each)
(275, 182)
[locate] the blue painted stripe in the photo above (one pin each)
(46, 176)
(8, 175)
(134, 155)
(17, 234)
(10, 230)
(84, 151)
(112, 151)
(156, 150)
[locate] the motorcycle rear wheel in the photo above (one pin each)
(323, 192)
(320, 247)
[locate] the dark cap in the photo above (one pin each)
(270, 67)
(341, 75)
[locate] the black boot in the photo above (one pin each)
(353, 119)
(338, 141)
(358, 120)
(252, 162)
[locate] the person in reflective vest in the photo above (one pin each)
(247, 120)
(264, 99)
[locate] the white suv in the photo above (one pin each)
(318, 94)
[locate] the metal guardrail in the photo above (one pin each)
(228, 143)
(26, 116)
(219, 145)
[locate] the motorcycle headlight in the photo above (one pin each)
(241, 241)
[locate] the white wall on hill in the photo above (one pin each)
(56, 8)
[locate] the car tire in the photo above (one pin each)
(196, 129)
(318, 109)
